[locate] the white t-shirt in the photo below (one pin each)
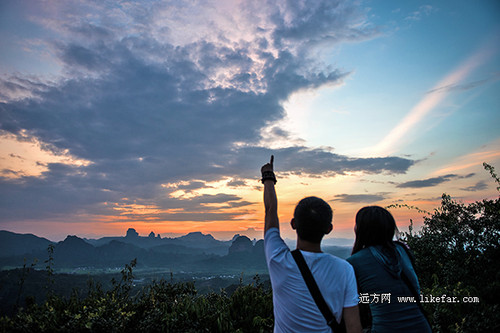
(294, 307)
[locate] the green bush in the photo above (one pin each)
(159, 307)
(456, 254)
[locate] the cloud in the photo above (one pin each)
(214, 198)
(481, 185)
(421, 12)
(316, 161)
(148, 101)
(360, 198)
(320, 22)
(465, 86)
(429, 182)
(396, 137)
(192, 185)
(237, 183)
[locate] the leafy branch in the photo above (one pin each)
(422, 211)
(491, 170)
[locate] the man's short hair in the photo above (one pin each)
(313, 218)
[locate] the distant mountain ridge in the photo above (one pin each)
(18, 244)
(192, 252)
(12, 244)
(192, 239)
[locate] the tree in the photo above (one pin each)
(456, 254)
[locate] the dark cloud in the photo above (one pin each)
(481, 185)
(237, 183)
(465, 86)
(185, 216)
(91, 32)
(320, 22)
(193, 185)
(19, 87)
(429, 182)
(307, 161)
(77, 55)
(360, 198)
(279, 132)
(147, 112)
(214, 198)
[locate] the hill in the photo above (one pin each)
(12, 244)
(194, 253)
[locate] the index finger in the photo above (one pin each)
(272, 160)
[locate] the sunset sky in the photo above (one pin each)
(158, 115)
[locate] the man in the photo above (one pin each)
(294, 307)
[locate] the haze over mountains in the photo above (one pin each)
(194, 252)
(189, 251)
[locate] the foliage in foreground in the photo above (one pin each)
(160, 307)
(456, 254)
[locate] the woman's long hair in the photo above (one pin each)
(374, 226)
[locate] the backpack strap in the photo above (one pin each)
(316, 293)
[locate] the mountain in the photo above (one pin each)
(194, 240)
(132, 237)
(117, 254)
(241, 244)
(178, 249)
(199, 240)
(73, 251)
(12, 244)
(193, 252)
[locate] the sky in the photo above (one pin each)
(158, 115)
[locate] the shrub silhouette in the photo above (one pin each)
(159, 307)
(456, 254)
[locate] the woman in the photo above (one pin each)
(384, 272)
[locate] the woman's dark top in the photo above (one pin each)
(378, 272)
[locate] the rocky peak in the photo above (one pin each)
(241, 244)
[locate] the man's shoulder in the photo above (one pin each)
(274, 246)
(272, 236)
(341, 262)
(333, 260)
(342, 265)
(328, 265)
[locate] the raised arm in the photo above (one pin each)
(270, 198)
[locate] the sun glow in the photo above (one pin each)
(27, 156)
(488, 153)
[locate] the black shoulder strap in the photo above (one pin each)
(316, 293)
